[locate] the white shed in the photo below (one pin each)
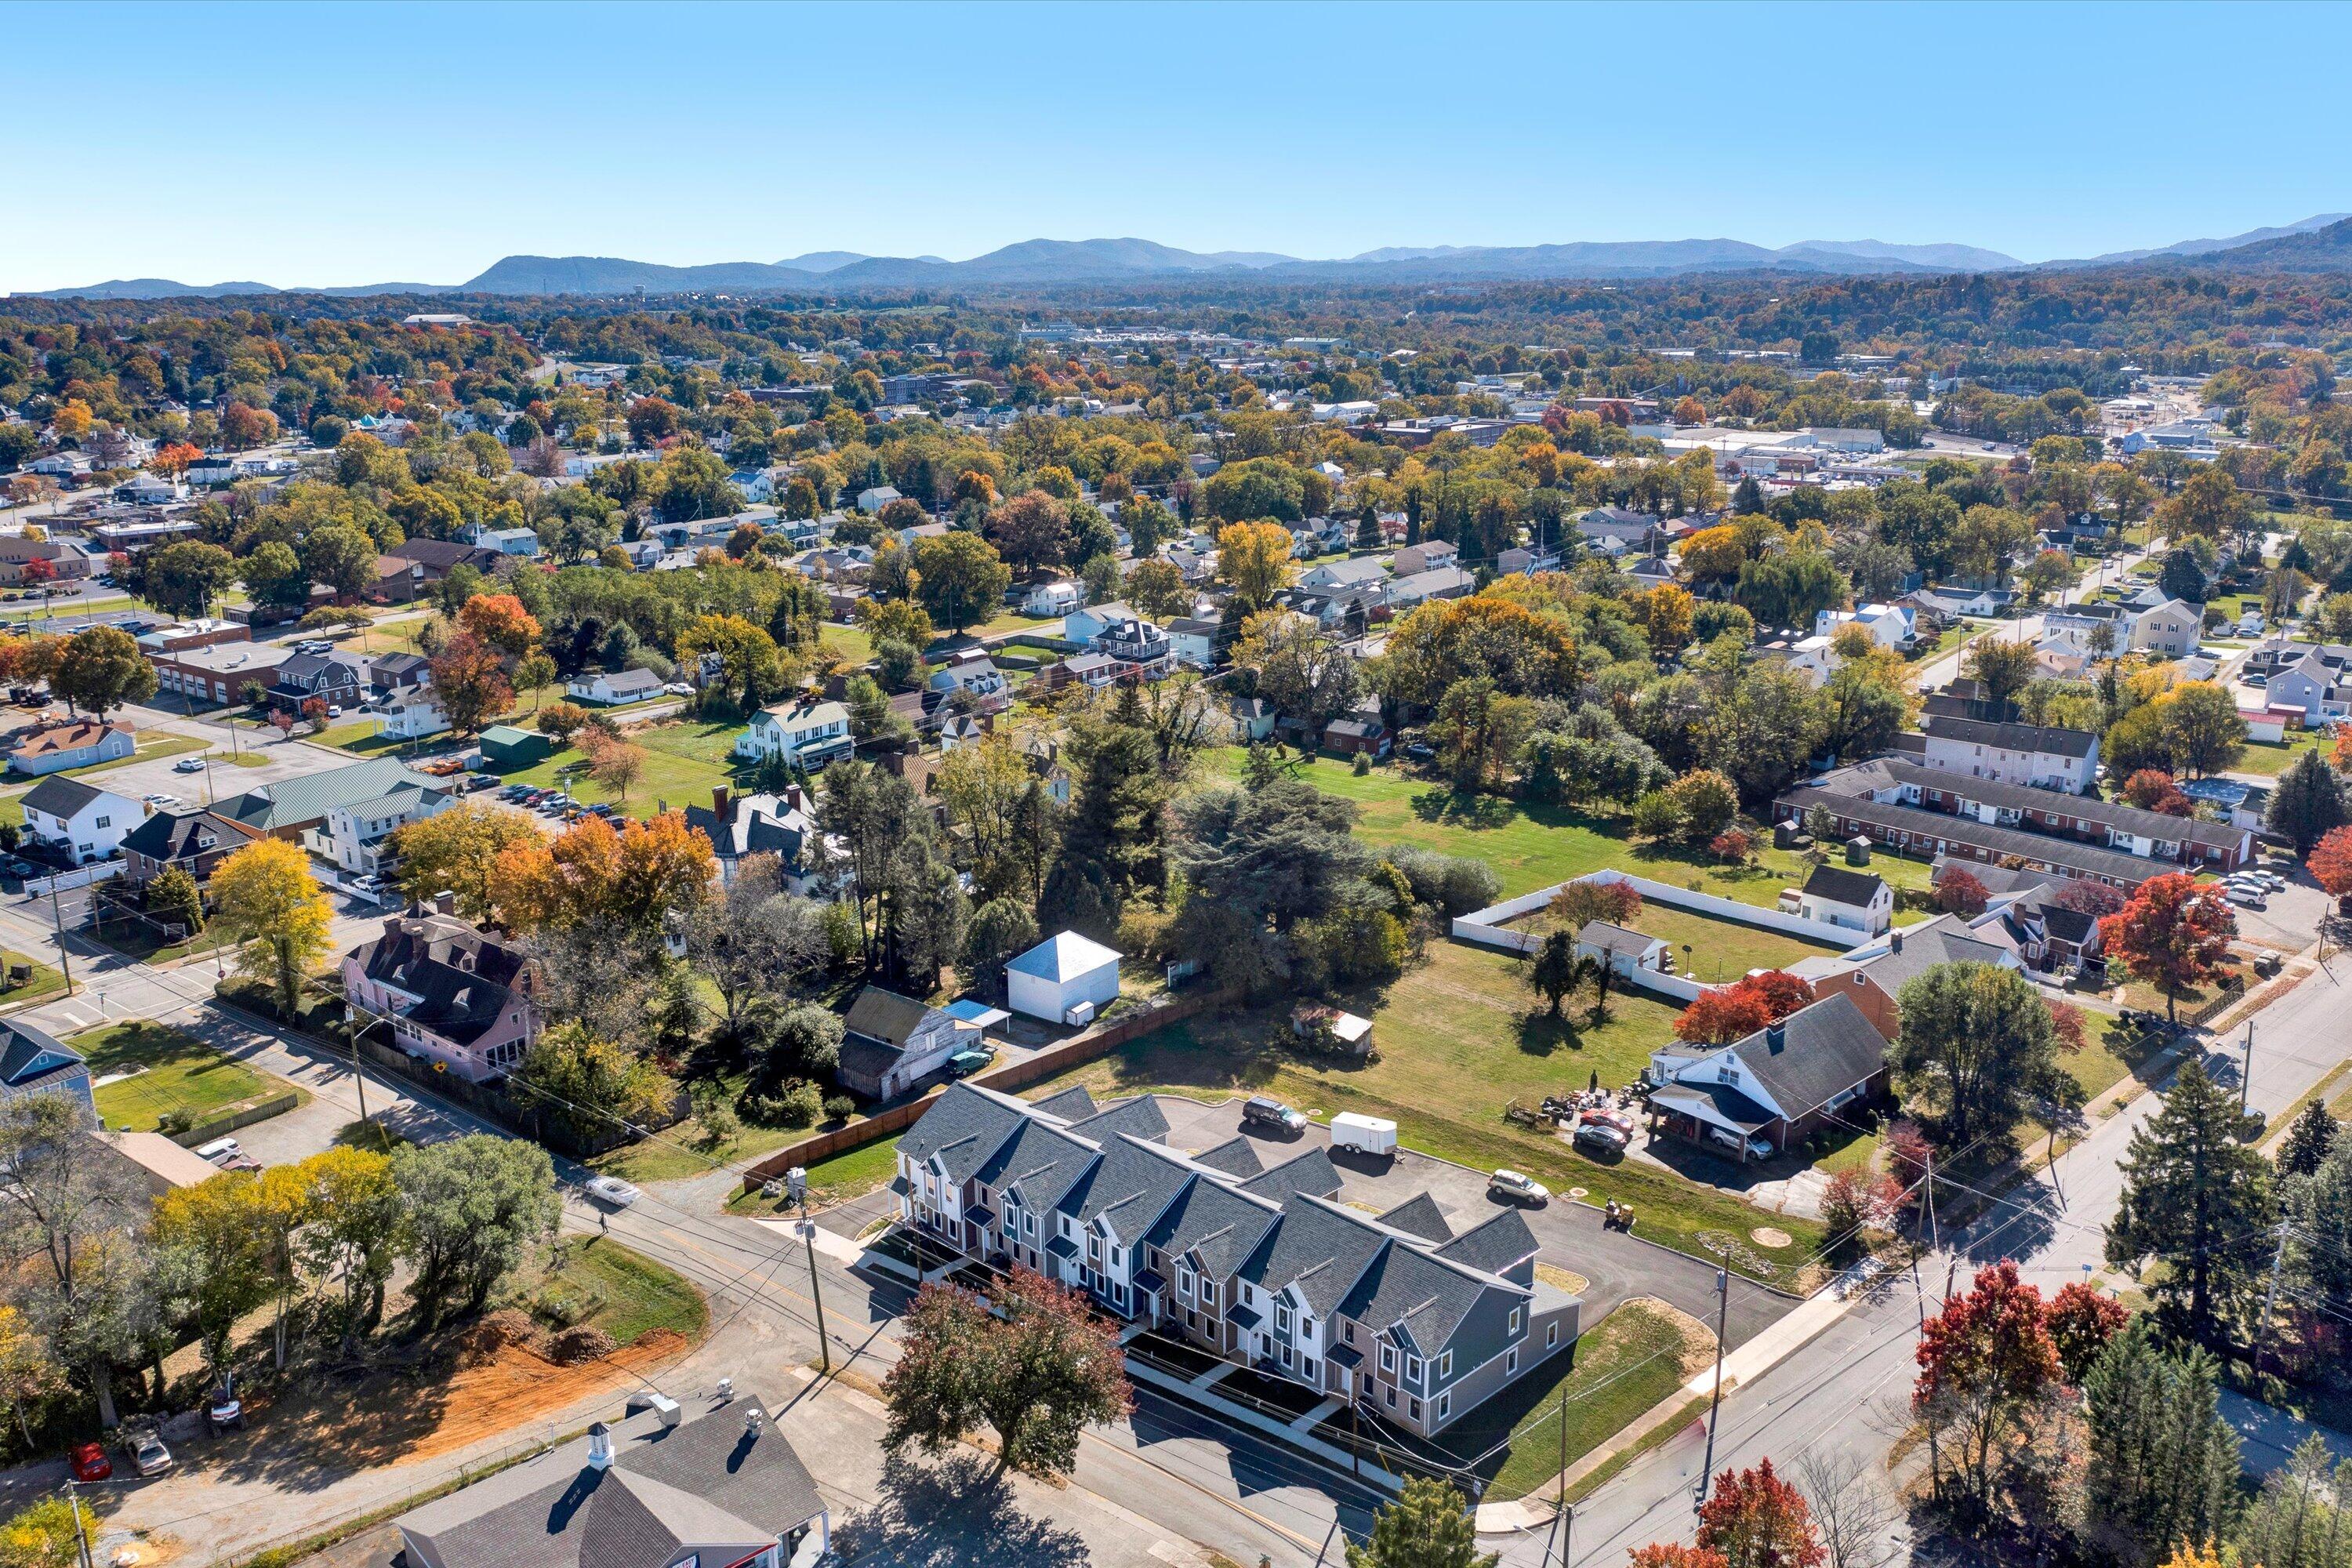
(1060, 975)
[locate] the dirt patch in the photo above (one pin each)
(1560, 1279)
(1765, 1236)
(461, 1395)
(1698, 1340)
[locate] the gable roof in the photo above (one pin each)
(465, 979)
(1814, 1053)
(2044, 739)
(1234, 1157)
(1063, 956)
(71, 737)
(1841, 885)
(289, 802)
(30, 1057)
(1420, 1215)
(1073, 1103)
(1944, 940)
(1139, 1118)
(172, 835)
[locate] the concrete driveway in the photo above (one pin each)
(1614, 1266)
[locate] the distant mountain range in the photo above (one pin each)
(2317, 244)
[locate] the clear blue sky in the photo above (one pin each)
(329, 143)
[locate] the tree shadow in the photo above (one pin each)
(1541, 1033)
(950, 1513)
(1460, 809)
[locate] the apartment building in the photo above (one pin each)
(1397, 1312)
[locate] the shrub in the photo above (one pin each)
(1655, 816)
(1364, 763)
(1454, 884)
(1958, 892)
(1734, 845)
(839, 1108)
(1706, 802)
(796, 1104)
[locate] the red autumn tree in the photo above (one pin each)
(2086, 897)
(499, 620)
(35, 571)
(2173, 933)
(1735, 1011)
(1674, 1554)
(2068, 1026)
(1959, 892)
(1986, 1362)
(314, 712)
(2150, 788)
(2330, 861)
(1755, 1519)
(1734, 845)
(1578, 904)
(2081, 1323)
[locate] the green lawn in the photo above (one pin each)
(145, 752)
(632, 1294)
(45, 980)
(364, 736)
(1534, 846)
(182, 1073)
(683, 762)
(1457, 1038)
(846, 1176)
(2269, 759)
(850, 642)
(1718, 949)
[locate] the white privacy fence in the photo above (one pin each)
(81, 877)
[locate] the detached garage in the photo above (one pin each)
(1065, 979)
(506, 748)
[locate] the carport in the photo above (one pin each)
(1694, 1112)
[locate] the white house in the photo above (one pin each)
(1858, 901)
(414, 713)
(811, 733)
(87, 822)
(517, 541)
(2040, 755)
(977, 676)
(1084, 625)
(1889, 625)
(1058, 596)
(2172, 627)
(1064, 979)
(608, 689)
(874, 499)
(1626, 953)
(1333, 575)
(354, 835)
(77, 744)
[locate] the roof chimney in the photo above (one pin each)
(1894, 941)
(719, 797)
(445, 902)
(600, 1447)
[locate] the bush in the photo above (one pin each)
(1656, 815)
(174, 1122)
(839, 1108)
(1451, 882)
(1143, 932)
(794, 1105)
(1364, 763)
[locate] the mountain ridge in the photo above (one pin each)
(1046, 262)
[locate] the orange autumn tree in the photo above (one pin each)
(633, 876)
(2330, 862)
(499, 620)
(2173, 933)
(174, 460)
(1735, 1011)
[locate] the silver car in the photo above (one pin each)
(1512, 1186)
(611, 1189)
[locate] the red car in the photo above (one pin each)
(89, 1463)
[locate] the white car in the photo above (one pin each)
(2248, 897)
(2271, 880)
(1511, 1186)
(189, 765)
(678, 689)
(160, 802)
(611, 1189)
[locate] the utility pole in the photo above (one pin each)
(82, 1531)
(816, 1290)
(2246, 1073)
(57, 915)
(1930, 1189)
(1715, 1401)
(2270, 1299)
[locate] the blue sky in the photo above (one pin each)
(333, 144)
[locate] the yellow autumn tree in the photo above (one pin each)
(454, 852)
(269, 901)
(633, 876)
(1254, 561)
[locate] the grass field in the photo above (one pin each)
(1533, 846)
(683, 762)
(2269, 759)
(1457, 1038)
(182, 1073)
(845, 1175)
(633, 1294)
(1719, 949)
(45, 980)
(850, 642)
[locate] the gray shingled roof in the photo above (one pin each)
(2010, 737)
(1814, 1054)
(1841, 885)
(1224, 1225)
(964, 1126)
(1502, 1243)
(1140, 1117)
(1420, 1215)
(1234, 1157)
(1320, 1249)
(2071, 855)
(1073, 1104)
(1944, 940)
(1310, 1172)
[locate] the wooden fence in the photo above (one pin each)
(1045, 1064)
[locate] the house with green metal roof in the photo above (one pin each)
(295, 809)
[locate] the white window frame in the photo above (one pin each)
(1413, 1370)
(1444, 1405)
(1518, 1314)
(1445, 1366)
(1387, 1359)
(1512, 1363)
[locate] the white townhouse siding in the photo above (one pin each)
(808, 733)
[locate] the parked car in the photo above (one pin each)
(963, 1063)
(1513, 1187)
(677, 689)
(611, 1189)
(1616, 1120)
(225, 1410)
(161, 801)
(189, 765)
(219, 1149)
(1265, 1112)
(89, 1462)
(144, 1446)
(2273, 880)
(1600, 1138)
(1757, 1148)
(1364, 1134)
(1421, 751)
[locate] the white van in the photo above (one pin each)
(1365, 1134)
(219, 1149)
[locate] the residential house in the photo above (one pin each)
(1141, 647)
(32, 1061)
(2172, 627)
(2062, 656)
(1086, 625)
(1523, 560)
(454, 996)
(1858, 901)
(1252, 717)
(295, 809)
(807, 731)
(1064, 979)
(1627, 954)
(2035, 755)
(356, 830)
(522, 543)
(1193, 642)
(414, 713)
(2314, 687)
(335, 679)
(741, 825)
(1920, 810)
(1197, 564)
(61, 560)
(1617, 529)
(716, 1486)
(1397, 1311)
(610, 689)
(1333, 577)
(1762, 1094)
(212, 676)
(1948, 602)
(891, 1044)
(1889, 625)
(1053, 596)
(975, 675)
(1872, 976)
(81, 821)
(1359, 734)
(439, 557)
(194, 841)
(389, 673)
(875, 498)
(1438, 582)
(75, 743)
(1092, 670)
(1426, 556)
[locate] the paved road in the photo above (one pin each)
(1847, 1389)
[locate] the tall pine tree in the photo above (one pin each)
(2307, 803)
(2296, 1523)
(2194, 1192)
(2163, 1464)
(2308, 1141)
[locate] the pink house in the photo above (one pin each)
(452, 995)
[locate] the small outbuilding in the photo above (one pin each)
(1064, 979)
(506, 747)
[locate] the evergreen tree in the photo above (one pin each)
(2163, 1463)
(2307, 804)
(1368, 528)
(2194, 1190)
(2308, 1141)
(1428, 1526)
(2320, 1209)
(2295, 1522)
